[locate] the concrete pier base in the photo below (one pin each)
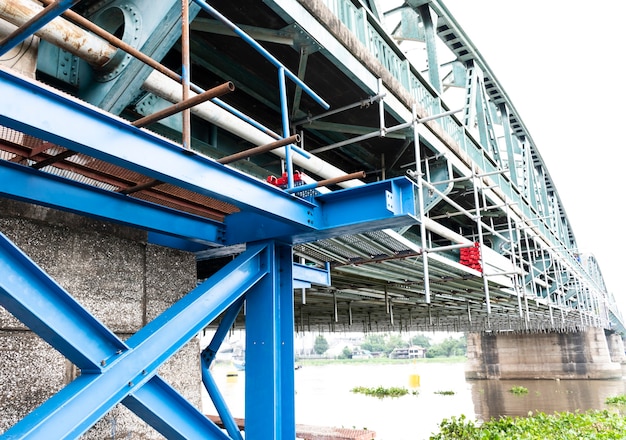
(580, 355)
(120, 278)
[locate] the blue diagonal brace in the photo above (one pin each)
(32, 186)
(163, 408)
(47, 309)
(207, 356)
(88, 398)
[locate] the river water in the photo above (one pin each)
(324, 397)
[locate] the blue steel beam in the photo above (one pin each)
(163, 408)
(65, 121)
(32, 186)
(88, 398)
(372, 207)
(304, 276)
(276, 214)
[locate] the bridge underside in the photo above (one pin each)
(450, 222)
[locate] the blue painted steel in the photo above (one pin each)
(375, 206)
(109, 138)
(220, 405)
(311, 275)
(207, 357)
(268, 56)
(285, 124)
(46, 308)
(279, 215)
(270, 390)
(163, 408)
(26, 184)
(386, 204)
(208, 354)
(88, 398)
(176, 243)
(46, 16)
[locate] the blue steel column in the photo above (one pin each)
(270, 394)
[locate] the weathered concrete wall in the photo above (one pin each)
(114, 273)
(582, 355)
(616, 347)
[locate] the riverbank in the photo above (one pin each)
(380, 361)
(324, 395)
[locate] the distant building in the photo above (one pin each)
(412, 352)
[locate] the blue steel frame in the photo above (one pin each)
(114, 371)
(264, 276)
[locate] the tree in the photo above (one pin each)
(394, 341)
(321, 344)
(448, 347)
(346, 353)
(374, 342)
(421, 340)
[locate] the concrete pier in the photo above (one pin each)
(579, 355)
(120, 278)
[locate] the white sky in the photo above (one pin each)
(562, 65)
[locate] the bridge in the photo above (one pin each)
(322, 165)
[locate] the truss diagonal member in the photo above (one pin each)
(47, 309)
(88, 398)
(207, 357)
(163, 408)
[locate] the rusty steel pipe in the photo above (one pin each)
(184, 105)
(59, 32)
(140, 187)
(339, 179)
(260, 149)
(326, 182)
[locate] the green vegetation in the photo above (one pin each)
(519, 390)
(604, 425)
(448, 348)
(321, 344)
(445, 393)
(381, 392)
(616, 400)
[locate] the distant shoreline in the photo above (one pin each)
(382, 360)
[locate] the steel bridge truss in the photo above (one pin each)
(392, 242)
(114, 371)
